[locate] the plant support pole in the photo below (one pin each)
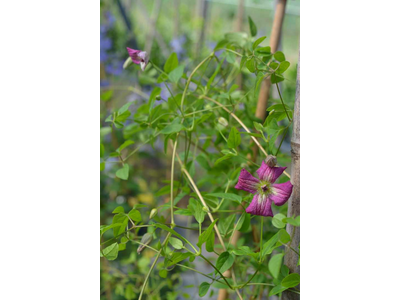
(291, 258)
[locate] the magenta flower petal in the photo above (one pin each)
(247, 182)
(138, 57)
(260, 206)
(268, 173)
(281, 192)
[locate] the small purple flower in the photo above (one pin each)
(138, 57)
(265, 189)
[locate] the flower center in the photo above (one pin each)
(264, 188)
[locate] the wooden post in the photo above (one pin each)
(239, 28)
(291, 258)
(274, 43)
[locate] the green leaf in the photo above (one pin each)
(270, 244)
(246, 223)
(101, 150)
(279, 56)
(124, 108)
(177, 257)
(226, 224)
(229, 196)
(253, 28)
(156, 91)
(234, 138)
(225, 157)
(276, 290)
(224, 261)
(206, 234)
(199, 213)
(172, 128)
(258, 41)
(163, 273)
(275, 78)
(110, 252)
(277, 221)
(118, 209)
(291, 280)
(123, 173)
(210, 242)
(203, 289)
(124, 145)
(274, 264)
(135, 215)
(177, 244)
(171, 63)
(283, 67)
(102, 166)
(251, 65)
(122, 220)
(129, 292)
(176, 74)
(258, 126)
(166, 228)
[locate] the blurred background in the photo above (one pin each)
(190, 28)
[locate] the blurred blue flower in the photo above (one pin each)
(177, 45)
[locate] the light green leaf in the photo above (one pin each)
(110, 252)
(210, 242)
(123, 173)
(258, 41)
(278, 222)
(176, 74)
(228, 196)
(206, 234)
(176, 243)
(279, 56)
(118, 209)
(135, 215)
(283, 67)
(172, 128)
(171, 63)
(274, 264)
(124, 145)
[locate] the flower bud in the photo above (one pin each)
(146, 239)
(153, 213)
(158, 97)
(206, 209)
(271, 161)
(208, 106)
(223, 121)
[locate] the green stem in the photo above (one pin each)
(194, 270)
(284, 106)
(190, 78)
(172, 181)
(212, 265)
(261, 237)
(153, 265)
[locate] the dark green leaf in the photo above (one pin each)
(203, 289)
(253, 28)
(276, 290)
(172, 128)
(206, 234)
(210, 242)
(234, 138)
(291, 280)
(135, 215)
(224, 261)
(283, 67)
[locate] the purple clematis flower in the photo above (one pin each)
(139, 57)
(265, 189)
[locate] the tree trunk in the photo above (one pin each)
(291, 258)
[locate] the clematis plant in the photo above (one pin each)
(138, 57)
(265, 189)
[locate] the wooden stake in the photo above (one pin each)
(262, 103)
(291, 258)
